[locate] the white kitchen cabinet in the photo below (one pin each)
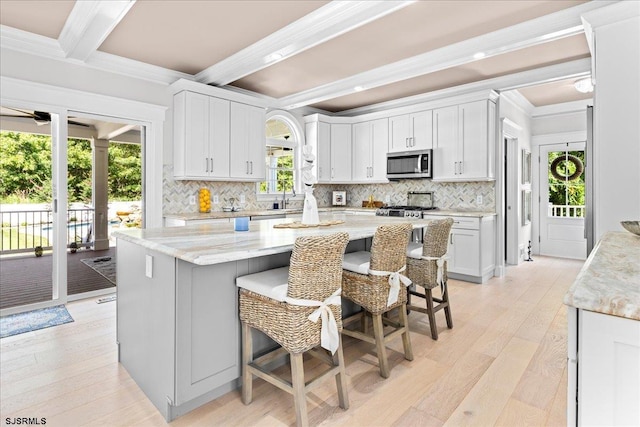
(201, 135)
(471, 248)
(370, 141)
(247, 148)
(464, 142)
(217, 139)
(340, 152)
(333, 144)
(181, 222)
(411, 132)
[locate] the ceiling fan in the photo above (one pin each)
(40, 117)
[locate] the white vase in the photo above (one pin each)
(310, 210)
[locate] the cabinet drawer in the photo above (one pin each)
(465, 222)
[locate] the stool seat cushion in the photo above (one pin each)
(358, 262)
(414, 250)
(269, 283)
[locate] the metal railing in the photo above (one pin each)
(24, 230)
(566, 211)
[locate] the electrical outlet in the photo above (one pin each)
(216, 199)
(387, 198)
(242, 199)
(479, 199)
(192, 200)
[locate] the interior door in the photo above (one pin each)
(562, 200)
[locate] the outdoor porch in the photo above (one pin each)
(27, 279)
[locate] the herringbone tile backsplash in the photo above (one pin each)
(448, 195)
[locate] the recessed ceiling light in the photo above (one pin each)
(479, 55)
(583, 85)
(358, 88)
(274, 57)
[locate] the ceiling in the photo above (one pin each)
(335, 56)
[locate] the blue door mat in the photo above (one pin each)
(20, 323)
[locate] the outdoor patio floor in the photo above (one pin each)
(27, 279)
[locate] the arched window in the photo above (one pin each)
(283, 141)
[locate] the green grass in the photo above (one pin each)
(11, 237)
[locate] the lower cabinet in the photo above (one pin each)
(471, 248)
(603, 369)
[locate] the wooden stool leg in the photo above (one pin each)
(406, 339)
(447, 307)
(247, 357)
(430, 314)
(299, 396)
(365, 322)
(378, 332)
(341, 377)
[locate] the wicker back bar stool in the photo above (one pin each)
(299, 307)
(374, 280)
(427, 267)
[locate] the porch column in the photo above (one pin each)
(100, 191)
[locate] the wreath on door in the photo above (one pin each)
(559, 174)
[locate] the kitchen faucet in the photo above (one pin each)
(284, 192)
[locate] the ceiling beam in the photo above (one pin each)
(89, 24)
(564, 23)
(321, 25)
(110, 130)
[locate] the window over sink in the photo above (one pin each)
(284, 138)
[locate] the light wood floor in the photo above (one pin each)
(503, 364)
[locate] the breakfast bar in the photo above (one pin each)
(178, 329)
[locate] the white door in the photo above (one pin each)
(562, 206)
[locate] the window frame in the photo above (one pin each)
(298, 136)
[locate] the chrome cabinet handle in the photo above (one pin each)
(206, 164)
(247, 167)
(211, 168)
(406, 142)
(251, 163)
(451, 238)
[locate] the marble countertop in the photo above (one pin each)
(205, 244)
(609, 281)
(194, 216)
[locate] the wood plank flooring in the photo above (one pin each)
(502, 364)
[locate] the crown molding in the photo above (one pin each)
(564, 23)
(319, 26)
(518, 100)
(250, 98)
(89, 24)
(613, 11)
(562, 108)
(578, 68)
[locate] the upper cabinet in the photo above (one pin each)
(464, 142)
(247, 153)
(217, 139)
(332, 145)
(411, 132)
(370, 142)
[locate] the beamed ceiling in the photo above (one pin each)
(315, 53)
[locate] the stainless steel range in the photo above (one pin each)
(418, 202)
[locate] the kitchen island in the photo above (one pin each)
(604, 335)
(178, 329)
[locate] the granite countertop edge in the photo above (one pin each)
(609, 281)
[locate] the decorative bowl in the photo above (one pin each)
(632, 226)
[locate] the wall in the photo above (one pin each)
(617, 124)
(515, 114)
(573, 121)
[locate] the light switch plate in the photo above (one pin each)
(148, 266)
(387, 198)
(479, 199)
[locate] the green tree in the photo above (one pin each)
(564, 191)
(25, 167)
(125, 172)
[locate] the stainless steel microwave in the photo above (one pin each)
(409, 164)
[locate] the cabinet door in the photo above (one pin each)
(464, 252)
(247, 131)
(421, 137)
(362, 164)
(445, 142)
(196, 135)
(473, 155)
(219, 137)
(379, 144)
(207, 329)
(324, 151)
(340, 153)
(399, 132)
